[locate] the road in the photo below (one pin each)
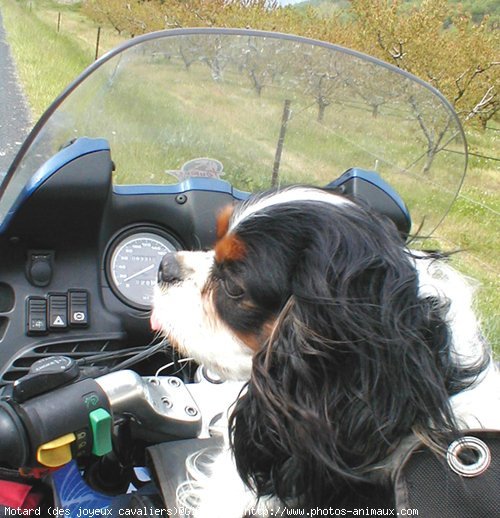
(15, 118)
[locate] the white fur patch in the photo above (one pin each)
(473, 408)
(219, 492)
(437, 279)
(286, 196)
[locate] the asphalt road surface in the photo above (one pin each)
(15, 118)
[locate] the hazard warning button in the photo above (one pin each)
(58, 311)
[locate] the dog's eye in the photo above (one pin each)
(232, 289)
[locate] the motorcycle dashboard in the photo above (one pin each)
(79, 280)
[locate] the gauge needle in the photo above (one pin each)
(136, 274)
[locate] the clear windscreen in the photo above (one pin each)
(257, 110)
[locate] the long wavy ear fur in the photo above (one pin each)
(356, 362)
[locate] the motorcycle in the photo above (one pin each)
(134, 159)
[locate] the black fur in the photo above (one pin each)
(356, 361)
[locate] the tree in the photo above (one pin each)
(455, 55)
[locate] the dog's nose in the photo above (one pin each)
(170, 270)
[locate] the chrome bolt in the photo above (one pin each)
(191, 411)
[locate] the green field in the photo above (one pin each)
(244, 135)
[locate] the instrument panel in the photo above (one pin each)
(133, 259)
(79, 281)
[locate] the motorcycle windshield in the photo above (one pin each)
(257, 110)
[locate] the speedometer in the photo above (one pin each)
(133, 264)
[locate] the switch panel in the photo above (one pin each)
(57, 312)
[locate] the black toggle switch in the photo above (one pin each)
(37, 315)
(78, 308)
(58, 311)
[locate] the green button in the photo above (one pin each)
(100, 424)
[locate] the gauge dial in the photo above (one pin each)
(133, 266)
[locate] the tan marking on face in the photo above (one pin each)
(230, 248)
(255, 341)
(223, 219)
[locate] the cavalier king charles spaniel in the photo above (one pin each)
(349, 344)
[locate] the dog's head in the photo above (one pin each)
(221, 306)
(315, 300)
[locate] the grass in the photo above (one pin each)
(473, 224)
(81, 29)
(57, 60)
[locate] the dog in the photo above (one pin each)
(349, 343)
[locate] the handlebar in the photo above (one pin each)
(53, 414)
(13, 443)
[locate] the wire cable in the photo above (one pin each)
(164, 344)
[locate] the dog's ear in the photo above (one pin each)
(356, 361)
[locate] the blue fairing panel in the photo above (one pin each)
(81, 147)
(190, 184)
(85, 146)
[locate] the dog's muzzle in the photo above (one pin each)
(170, 270)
